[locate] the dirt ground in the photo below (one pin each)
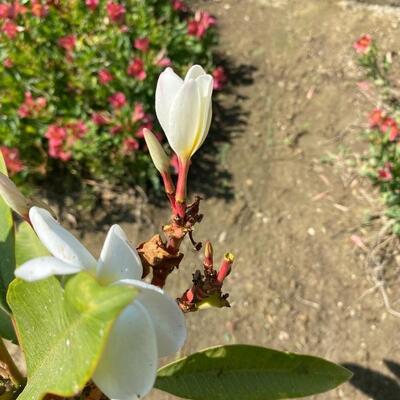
(298, 284)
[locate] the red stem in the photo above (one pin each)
(180, 196)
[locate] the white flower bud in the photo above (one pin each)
(157, 153)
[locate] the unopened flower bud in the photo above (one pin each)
(225, 268)
(157, 153)
(208, 255)
(13, 197)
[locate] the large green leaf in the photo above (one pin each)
(28, 245)
(63, 332)
(241, 372)
(7, 261)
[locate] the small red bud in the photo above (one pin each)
(225, 268)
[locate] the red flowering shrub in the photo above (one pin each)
(382, 164)
(78, 80)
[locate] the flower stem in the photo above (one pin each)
(13, 370)
(181, 187)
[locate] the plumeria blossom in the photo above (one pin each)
(152, 326)
(183, 109)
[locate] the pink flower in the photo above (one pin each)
(142, 44)
(41, 103)
(136, 69)
(220, 78)
(67, 42)
(8, 63)
(363, 44)
(60, 142)
(200, 24)
(78, 129)
(117, 100)
(179, 5)
(99, 118)
(92, 4)
(23, 111)
(38, 9)
(15, 9)
(4, 10)
(138, 112)
(162, 61)
(105, 76)
(115, 130)
(10, 29)
(389, 124)
(385, 173)
(192, 27)
(12, 159)
(56, 135)
(130, 145)
(375, 118)
(31, 106)
(115, 11)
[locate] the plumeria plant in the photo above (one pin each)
(382, 164)
(96, 328)
(78, 80)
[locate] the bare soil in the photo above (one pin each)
(298, 283)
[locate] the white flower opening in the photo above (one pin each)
(184, 109)
(152, 326)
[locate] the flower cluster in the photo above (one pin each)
(89, 101)
(382, 164)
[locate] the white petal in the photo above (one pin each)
(168, 319)
(205, 83)
(59, 241)
(194, 72)
(206, 129)
(168, 85)
(118, 259)
(184, 120)
(128, 365)
(43, 267)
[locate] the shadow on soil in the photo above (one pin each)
(376, 385)
(392, 3)
(209, 177)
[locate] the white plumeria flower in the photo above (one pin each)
(152, 326)
(184, 110)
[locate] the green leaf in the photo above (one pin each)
(7, 261)
(242, 372)
(63, 332)
(28, 245)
